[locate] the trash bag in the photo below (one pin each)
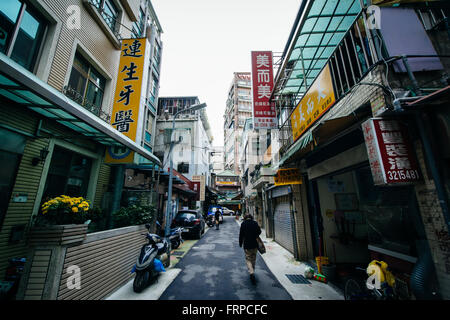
(158, 265)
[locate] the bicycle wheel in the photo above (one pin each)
(354, 290)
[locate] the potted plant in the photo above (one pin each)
(61, 220)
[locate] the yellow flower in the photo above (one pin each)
(74, 209)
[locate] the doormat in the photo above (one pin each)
(297, 279)
(177, 253)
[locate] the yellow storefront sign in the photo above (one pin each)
(226, 182)
(319, 98)
(288, 176)
(128, 103)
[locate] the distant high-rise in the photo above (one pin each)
(238, 109)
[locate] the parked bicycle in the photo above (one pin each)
(374, 283)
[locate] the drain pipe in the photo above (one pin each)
(422, 281)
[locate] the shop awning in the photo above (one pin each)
(184, 188)
(298, 145)
(329, 128)
(164, 176)
(28, 91)
(223, 202)
(321, 28)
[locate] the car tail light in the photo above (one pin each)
(196, 221)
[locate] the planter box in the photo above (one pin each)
(57, 235)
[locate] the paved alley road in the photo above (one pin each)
(214, 269)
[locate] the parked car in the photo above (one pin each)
(212, 209)
(227, 212)
(191, 221)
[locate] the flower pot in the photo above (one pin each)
(57, 235)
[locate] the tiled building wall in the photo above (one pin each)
(435, 227)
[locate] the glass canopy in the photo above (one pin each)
(321, 30)
(26, 90)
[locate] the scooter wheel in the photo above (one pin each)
(140, 281)
(176, 245)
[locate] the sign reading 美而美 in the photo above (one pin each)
(288, 176)
(129, 99)
(317, 100)
(264, 115)
(391, 157)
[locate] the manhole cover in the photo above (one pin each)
(177, 253)
(297, 278)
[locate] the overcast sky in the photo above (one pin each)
(205, 41)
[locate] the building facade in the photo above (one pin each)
(238, 109)
(332, 89)
(59, 65)
(192, 148)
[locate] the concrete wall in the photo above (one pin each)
(104, 261)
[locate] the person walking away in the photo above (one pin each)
(217, 217)
(248, 234)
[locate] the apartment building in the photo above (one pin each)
(192, 152)
(238, 109)
(352, 76)
(59, 66)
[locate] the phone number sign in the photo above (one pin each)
(391, 157)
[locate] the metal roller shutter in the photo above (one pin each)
(283, 226)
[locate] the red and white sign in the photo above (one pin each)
(391, 156)
(264, 115)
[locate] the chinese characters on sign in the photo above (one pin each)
(128, 88)
(288, 176)
(264, 115)
(317, 100)
(127, 105)
(391, 157)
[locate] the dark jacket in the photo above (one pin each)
(250, 230)
(217, 215)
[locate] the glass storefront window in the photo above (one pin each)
(11, 150)
(68, 174)
(389, 212)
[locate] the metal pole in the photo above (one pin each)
(169, 192)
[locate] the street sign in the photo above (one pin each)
(391, 157)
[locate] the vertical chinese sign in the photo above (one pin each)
(391, 157)
(201, 180)
(317, 100)
(129, 100)
(264, 115)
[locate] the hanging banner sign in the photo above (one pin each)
(288, 176)
(264, 115)
(200, 181)
(129, 100)
(391, 157)
(317, 100)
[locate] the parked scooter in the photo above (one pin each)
(14, 271)
(175, 236)
(152, 260)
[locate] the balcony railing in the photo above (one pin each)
(78, 98)
(351, 61)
